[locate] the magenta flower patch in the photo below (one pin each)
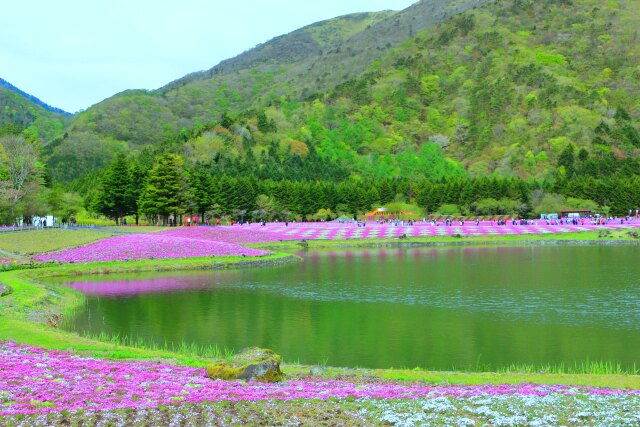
(255, 233)
(34, 380)
(148, 246)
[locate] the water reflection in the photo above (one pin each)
(430, 307)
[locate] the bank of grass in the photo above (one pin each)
(23, 243)
(604, 236)
(29, 313)
(165, 264)
(47, 240)
(34, 301)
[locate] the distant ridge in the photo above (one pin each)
(6, 84)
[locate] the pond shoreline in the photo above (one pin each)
(31, 294)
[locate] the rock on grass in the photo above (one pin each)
(5, 290)
(252, 363)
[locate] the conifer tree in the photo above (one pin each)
(201, 183)
(166, 189)
(116, 196)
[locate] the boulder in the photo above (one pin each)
(4, 289)
(251, 364)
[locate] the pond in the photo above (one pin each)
(435, 308)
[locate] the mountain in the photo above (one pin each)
(21, 111)
(317, 57)
(299, 65)
(533, 89)
(7, 85)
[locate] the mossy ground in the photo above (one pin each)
(30, 242)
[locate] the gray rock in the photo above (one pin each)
(5, 290)
(251, 364)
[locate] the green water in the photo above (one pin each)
(432, 308)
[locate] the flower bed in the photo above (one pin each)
(148, 246)
(255, 233)
(207, 241)
(36, 381)
(237, 234)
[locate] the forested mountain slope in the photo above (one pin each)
(20, 111)
(303, 64)
(533, 89)
(546, 90)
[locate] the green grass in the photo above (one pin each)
(211, 351)
(168, 264)
(37, 241)
(588, 367)
(24, 312)
(586, 236)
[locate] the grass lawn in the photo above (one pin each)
(37, 241)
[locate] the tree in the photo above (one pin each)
(201, 183)
(62, 204)
(567, 159)
(166, 189)
(138, 176)
(116, 196)
(266, 208)
(20, 173)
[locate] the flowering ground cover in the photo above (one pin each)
(237, 234)
(148, 246)
(35, 382)
(207, 241)
(255, 233)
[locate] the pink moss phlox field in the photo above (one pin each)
(206, 241)
(255, 233)
(148, 246)
(233, 234)
(36, 381)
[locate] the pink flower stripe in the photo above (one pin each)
(148, 246)
(234, 234)
(36, 381)
(204, 241)
(255, 233)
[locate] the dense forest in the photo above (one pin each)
(514, 107)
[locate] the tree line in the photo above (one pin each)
(171, 188)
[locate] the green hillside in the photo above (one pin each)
(503, 89)
(506, 89)
(304, 64)
(19, 113)
(451, 106)
(542, 90)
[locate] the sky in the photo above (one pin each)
(74, 53)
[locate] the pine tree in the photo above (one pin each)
(201, 183)
(166, 189)
(116, 196)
